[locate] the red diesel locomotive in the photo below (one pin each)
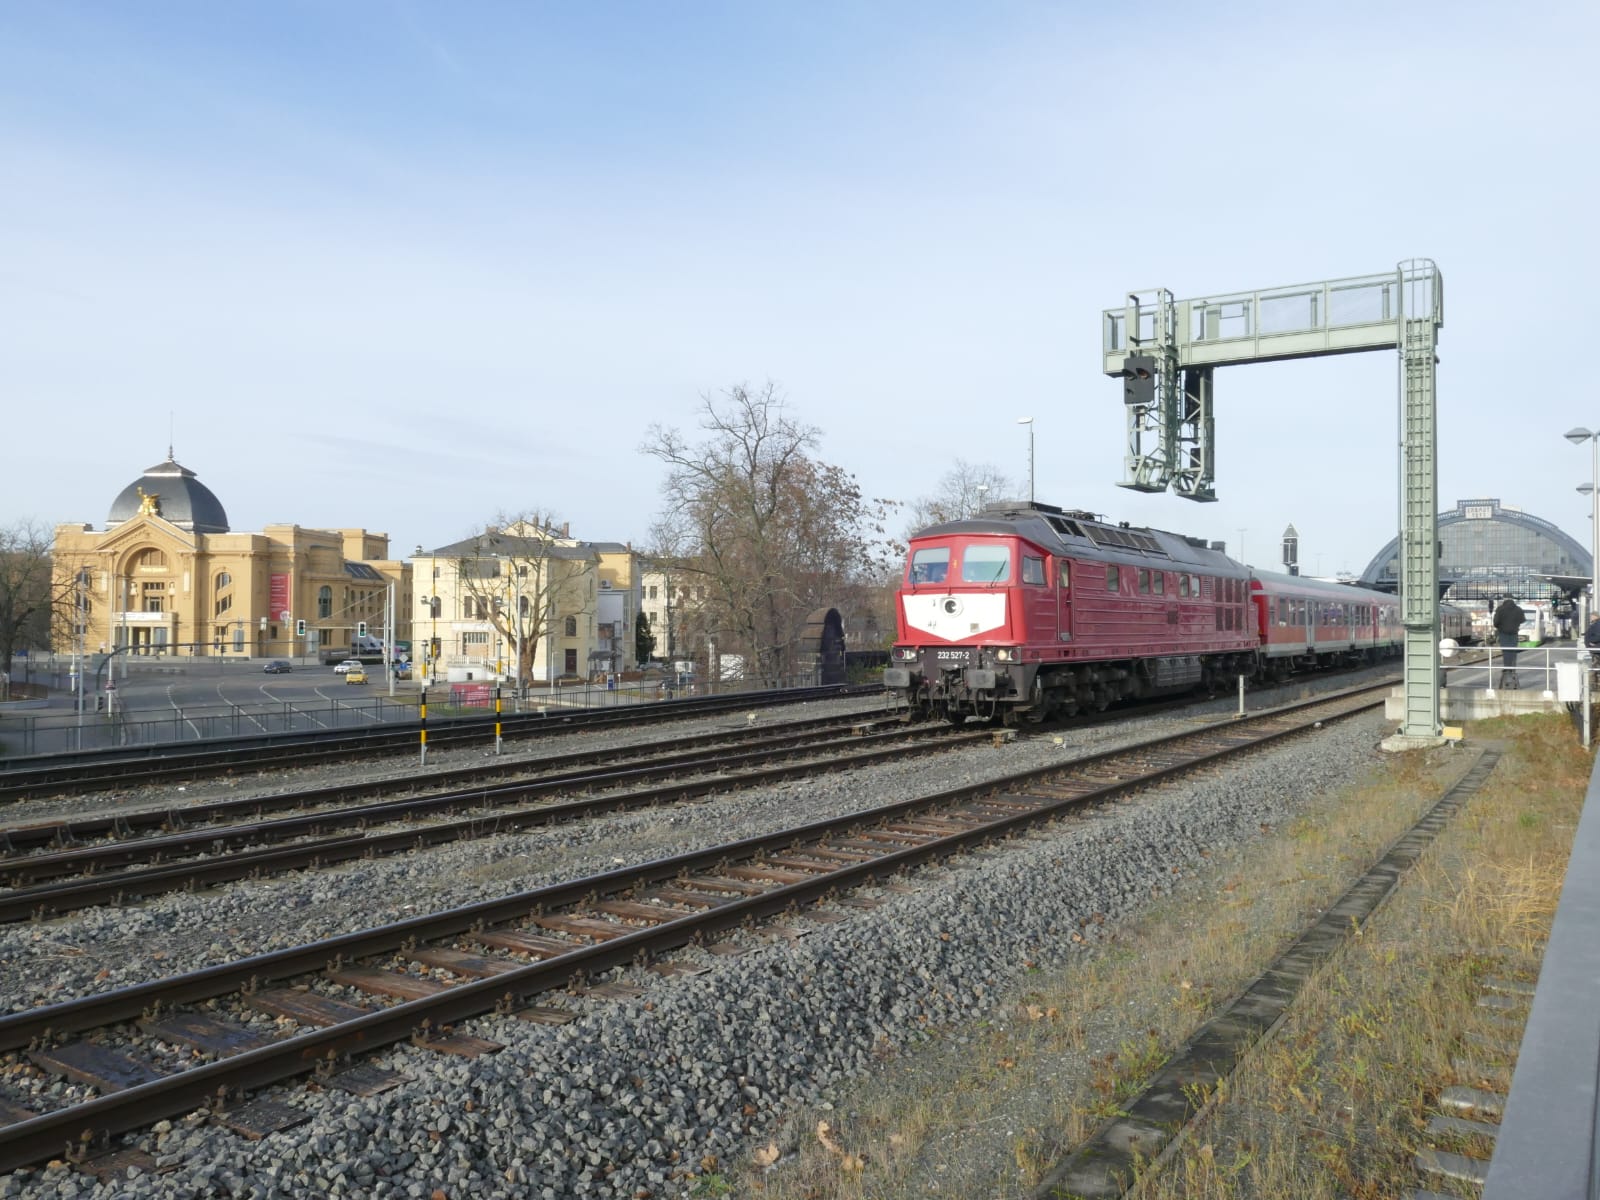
(1027, 610)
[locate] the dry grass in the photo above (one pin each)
(1332, 1106)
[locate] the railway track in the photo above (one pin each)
(87, 875)
(31, 777)
(416, 979)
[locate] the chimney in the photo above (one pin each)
(564, 532)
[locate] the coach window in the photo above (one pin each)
(985, 564)
(930, 565)
(1032, 569)
(1144, 581)
(1113, 579)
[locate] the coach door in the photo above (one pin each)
(1038, 600)
(1063, 590)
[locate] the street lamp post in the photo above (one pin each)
(1028, 421)
(1577, 437)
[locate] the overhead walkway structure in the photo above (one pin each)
(1166, 352)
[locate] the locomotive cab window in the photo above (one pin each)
(985, 564)
(1032, 569)
(1066, 575)
(930, 565)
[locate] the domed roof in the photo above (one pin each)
(171, 492)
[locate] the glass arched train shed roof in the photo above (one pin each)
(1489, 549)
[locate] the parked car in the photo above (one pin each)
(348, 665)
(356, 674)
(278, 666)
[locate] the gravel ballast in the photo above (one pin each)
(634, 1096)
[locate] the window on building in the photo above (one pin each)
(324, 603)
(151, 560)
(223, 604)
(571, 627)
(475, 639)
(570, 662)
(224, 580)
(652, 591)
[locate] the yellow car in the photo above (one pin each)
(356, 675)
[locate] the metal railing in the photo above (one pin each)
(1550, 1132)
(1535, 668)
(64, 729)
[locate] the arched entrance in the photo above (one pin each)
(822, 647)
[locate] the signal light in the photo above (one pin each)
(361, 629)
(300, 627)
(1138, 379)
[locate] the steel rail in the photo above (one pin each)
(214, 1082)
(504, 776)
(29, 776)
(56, 898)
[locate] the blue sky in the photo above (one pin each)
(405, 266)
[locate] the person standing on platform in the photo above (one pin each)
(1508, 617)
(1591, 635)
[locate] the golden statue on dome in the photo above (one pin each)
(149, 505)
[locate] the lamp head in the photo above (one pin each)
(1029, 421)
(1578, 436)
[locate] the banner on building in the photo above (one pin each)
(278, 601)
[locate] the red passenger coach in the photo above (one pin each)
(1027, 610)
(1309, 623)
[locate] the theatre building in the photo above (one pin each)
(167, 576)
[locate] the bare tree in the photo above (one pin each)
(29, 598)
(773, 532)
(963, 490)
(525, 576)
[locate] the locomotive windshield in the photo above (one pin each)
(930, 564)
(985, 564)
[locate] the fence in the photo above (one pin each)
(62, 730)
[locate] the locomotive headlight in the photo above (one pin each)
(1005, 655)
(905, 653)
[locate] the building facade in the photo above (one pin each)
(167, 576)
(526, 604)
(1489, 549)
